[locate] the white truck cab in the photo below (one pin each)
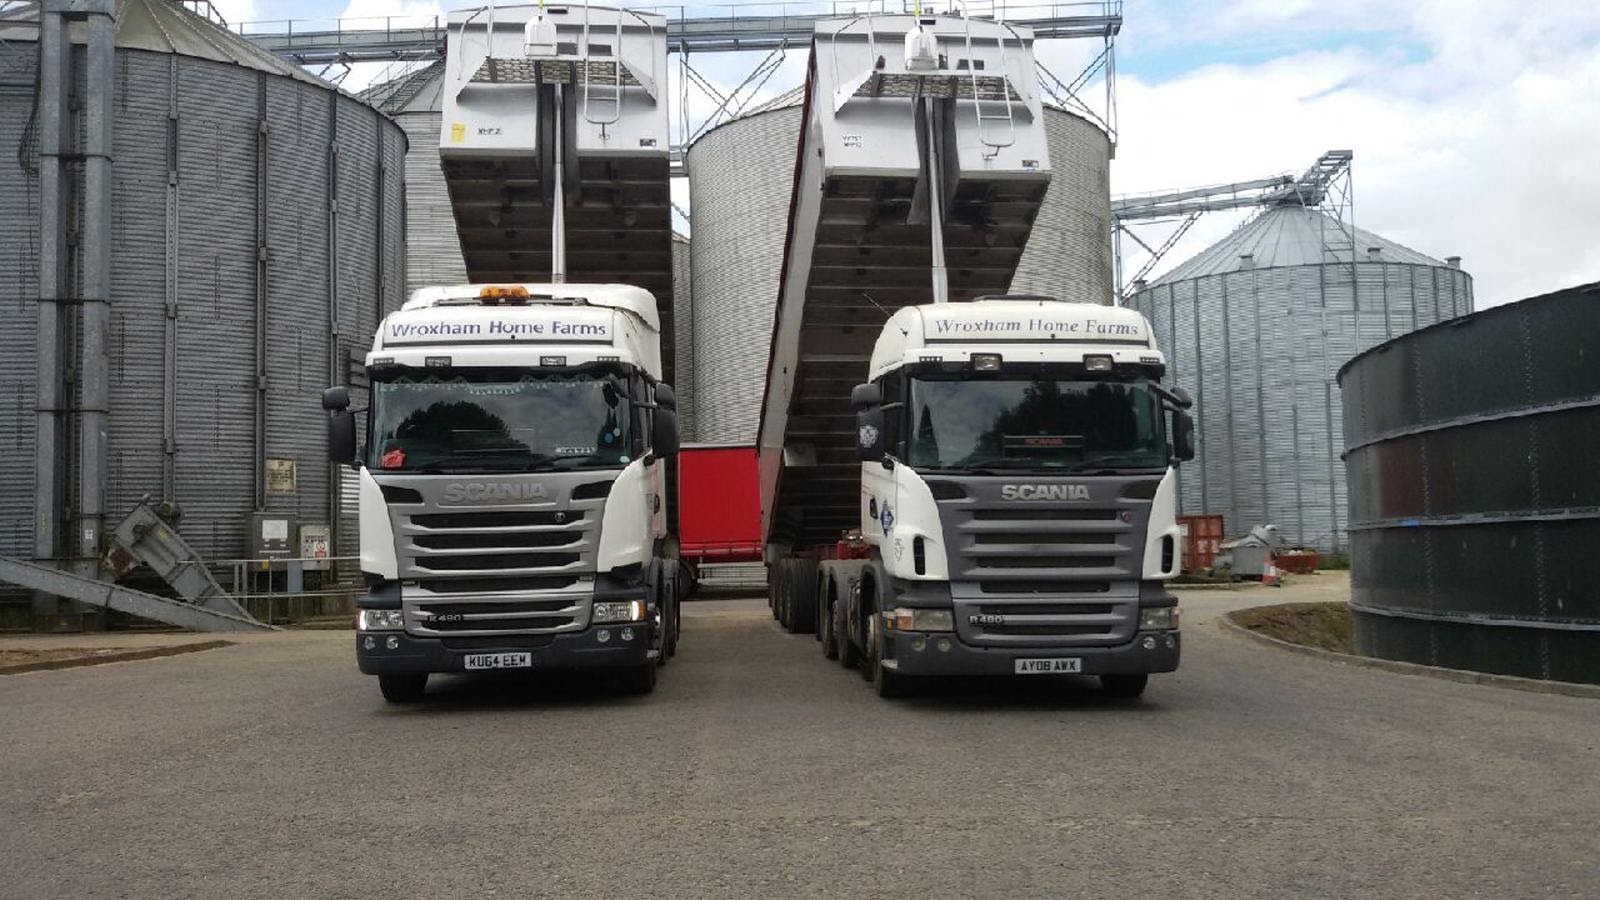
(1017, 497)
(512, 484)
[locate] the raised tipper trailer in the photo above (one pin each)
(981, 484)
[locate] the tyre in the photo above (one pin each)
(403, 688)
(827, 626)
(780, 593)
(848, 655)
(1124, 687)
(800, 595)
(640, 679)
(869, 665)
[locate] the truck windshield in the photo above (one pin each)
(495, 422)
(1033, 423)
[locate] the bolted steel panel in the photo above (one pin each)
(215, 462)
(1259, 348)
(1473, 517)
(1068, 254)
(19, 291)
(740, 177)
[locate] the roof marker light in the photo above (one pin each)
(985, 362)
(1097, 363)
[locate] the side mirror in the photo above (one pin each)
(869, 432)
(1182, 436)
(1184, 400)
(335, 399)
(666, 397)
(664, 433)
(866, 396)
(342, 436)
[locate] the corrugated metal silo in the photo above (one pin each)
(1255, 327)
(1068, 255)
(416, 102)
(256, 230)
(741, 174)
(683, 336)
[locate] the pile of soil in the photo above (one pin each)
(1325, 626)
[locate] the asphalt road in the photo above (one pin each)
(758, 769)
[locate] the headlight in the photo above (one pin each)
(618, 611)
(1158, 618)
(381, 620)
(903, 619)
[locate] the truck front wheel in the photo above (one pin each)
(1123, 687)
(403, 688)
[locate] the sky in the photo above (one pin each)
(1475, 124)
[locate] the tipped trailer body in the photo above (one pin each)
(513, 494)
(996, 495)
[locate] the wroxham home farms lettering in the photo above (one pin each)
(499, 329)
(1029, 328)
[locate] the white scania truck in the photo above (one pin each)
(1017, 498)
(998, 497)
(512, 485)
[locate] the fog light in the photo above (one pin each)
(919, 644)
(380, 620)
(627, 634)
(1149, 643)
(602, 636)
(370, 643)
(944, 645)
(1158, 618)
(393, 643)
(1172, 642)
(618, 611)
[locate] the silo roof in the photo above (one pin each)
(1288, 236)
(161, 26)
(418, 91)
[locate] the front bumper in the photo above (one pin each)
(964, 659)
(577, 650)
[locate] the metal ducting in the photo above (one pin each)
(1255, 327)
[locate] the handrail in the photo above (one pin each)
(1005, 91)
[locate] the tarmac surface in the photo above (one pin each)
(759, 769)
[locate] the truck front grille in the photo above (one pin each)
(485, 615)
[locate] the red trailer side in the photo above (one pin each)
(719, 505)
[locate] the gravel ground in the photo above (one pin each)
(273, 769)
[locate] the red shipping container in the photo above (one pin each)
(1202, 540)
(719, 504)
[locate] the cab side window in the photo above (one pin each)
(893, 386)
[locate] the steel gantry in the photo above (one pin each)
(1324, 186)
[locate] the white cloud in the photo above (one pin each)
(1482, 147)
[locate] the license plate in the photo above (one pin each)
(500, 661)
(1065, 666)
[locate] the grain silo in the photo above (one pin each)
(741, 175)
(246, 241)
(415, 101)
(1068, 255)
(1255, 327)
